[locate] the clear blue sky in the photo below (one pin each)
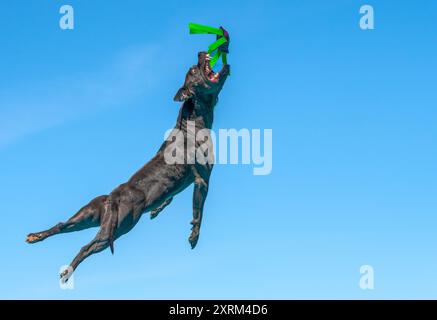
(354, 177)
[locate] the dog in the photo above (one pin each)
(153, 187)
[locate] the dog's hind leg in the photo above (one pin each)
(121, 211)
(87, 217)
(101, 241)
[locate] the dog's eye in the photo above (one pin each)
(193, 71)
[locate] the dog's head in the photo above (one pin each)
(201, 82)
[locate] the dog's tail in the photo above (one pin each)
(113, 222)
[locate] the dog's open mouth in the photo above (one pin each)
(208, 72)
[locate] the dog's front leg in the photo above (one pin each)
(199, 197)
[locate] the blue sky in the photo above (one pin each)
(354, 175)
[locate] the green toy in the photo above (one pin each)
(220, 46)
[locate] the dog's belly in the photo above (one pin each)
(166, 185)
(160, 181)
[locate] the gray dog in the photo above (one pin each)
(152, 188)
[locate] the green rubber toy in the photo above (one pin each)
(220, 46)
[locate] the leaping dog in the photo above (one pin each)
(153, 187)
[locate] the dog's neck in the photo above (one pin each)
(199, 111)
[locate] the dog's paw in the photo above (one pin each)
(154, 214)
(65, 275)
(194, 237)
(33, 237)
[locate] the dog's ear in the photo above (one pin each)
(183, 94)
